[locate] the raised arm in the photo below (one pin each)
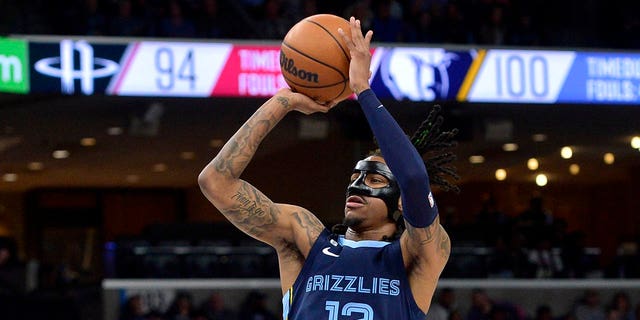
(280, 225)
(425, 244)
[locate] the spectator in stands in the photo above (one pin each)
(589, 307)
(95, 21)
(510, 258)
(481, 305)
(132, 309)
(547, 264)
(214, 308)
(524, 32)
(492, 222)
(254, 307)
(455, 25)
(12, 270)
(543, 312)
(300, 9)
(485, 308)
(387, 24)
(626, 264)
(125, 23)
(621, 305)
(494, 29)
(534, 221)
(575, 260)
(177, 24)
(155, 315)
(273, 24)
(211, 23)
(181, 308)
(362, 9)
(444, 306)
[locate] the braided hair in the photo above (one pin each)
(434, 145)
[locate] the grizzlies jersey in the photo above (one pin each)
(348, 280)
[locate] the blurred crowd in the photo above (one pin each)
(185, 307)
(601, 24)
(481, 305)
(531, 244)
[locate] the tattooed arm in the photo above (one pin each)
(425, 252)
(291, 230)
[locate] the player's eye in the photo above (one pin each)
(377, 179)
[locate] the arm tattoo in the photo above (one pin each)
(240, 149)
(423, 235)
(444, 246)
(252, 212)
(308, 222)
(284, 102)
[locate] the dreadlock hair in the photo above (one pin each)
(434, 145)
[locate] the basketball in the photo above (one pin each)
(314, 58)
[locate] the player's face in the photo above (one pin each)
(371, 193)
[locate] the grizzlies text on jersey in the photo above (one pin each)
(348, 280)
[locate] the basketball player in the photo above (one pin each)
(381, 267)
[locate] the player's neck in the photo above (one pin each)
(377, 234)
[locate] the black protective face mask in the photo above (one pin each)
(390, 194)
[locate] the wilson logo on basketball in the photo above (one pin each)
(289, 66)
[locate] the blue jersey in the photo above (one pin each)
(348, 280)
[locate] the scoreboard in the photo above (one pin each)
(244, 69)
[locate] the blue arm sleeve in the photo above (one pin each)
(419, 208)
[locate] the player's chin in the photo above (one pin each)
(352, 220)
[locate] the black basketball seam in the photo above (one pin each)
(315, 87)
(296, 84)
(330, 34)
(316, 60)
(344, 87)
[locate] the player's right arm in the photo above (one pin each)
(291, 230)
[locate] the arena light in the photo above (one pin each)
(187, 155)
(476, 159)
(115, 131)
(539, 137)
(510, 147)
(88, 142)
(35, 166)
(10, 177)
(574, 169)
(609, 158)
(216, 143)
(541, 180)
(533, 164)
(566, 152)
(635, 142)
(60, 154)
(160, 167)
(501, 174)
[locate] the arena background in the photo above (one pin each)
(122, 214)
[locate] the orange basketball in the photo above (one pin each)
(315, 60)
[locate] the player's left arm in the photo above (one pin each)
(425, 245)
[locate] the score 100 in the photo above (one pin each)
(521, 76)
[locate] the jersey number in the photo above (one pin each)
(348, 309)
